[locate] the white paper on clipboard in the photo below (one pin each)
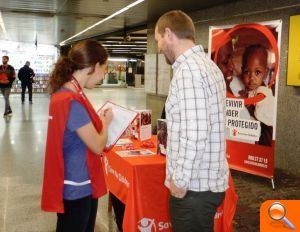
(122, 118)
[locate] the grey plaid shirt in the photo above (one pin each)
(195, 112)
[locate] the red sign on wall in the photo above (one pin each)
(248, 56)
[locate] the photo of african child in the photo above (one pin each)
(145, 118)
(254, 73)
(141, 126)
(135, 128)
(246, 59)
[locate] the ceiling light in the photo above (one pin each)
(139, 48)
(119, 45)
(141, 42)
(117, 59)
(3, 26)
(103, 20)
(119, 50)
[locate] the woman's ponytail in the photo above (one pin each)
(61, 74)
(82, 55)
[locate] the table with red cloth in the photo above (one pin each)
(138, 181)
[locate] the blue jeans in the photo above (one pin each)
(5, 93)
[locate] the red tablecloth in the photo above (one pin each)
(138, 181)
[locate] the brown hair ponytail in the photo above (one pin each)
(83, 55)
(60, 74)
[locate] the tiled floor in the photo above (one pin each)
(253, 191)
(22, 147)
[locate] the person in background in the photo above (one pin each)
(73, 174)
(197, 170)
(26, 75)
(7, 77)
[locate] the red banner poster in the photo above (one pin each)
(248, 56)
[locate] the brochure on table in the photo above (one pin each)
(123, 141)
(140, 152)
(141, 127)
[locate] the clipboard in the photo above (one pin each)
(122, 119)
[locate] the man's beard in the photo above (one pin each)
(167, 60)
(169, 56)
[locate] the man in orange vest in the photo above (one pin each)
(7, 77)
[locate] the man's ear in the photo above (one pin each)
(168, 33)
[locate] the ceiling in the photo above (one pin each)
(53, 21)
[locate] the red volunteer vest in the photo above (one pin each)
(52, 193)
(3, 76)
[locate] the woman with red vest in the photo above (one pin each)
(73, 175)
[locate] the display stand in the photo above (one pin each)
(273, 185)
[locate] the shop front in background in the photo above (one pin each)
(41, 58)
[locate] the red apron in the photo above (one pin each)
(53, 184)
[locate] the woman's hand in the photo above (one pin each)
(93, 139)
(106, 116)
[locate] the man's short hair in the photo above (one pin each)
(5, 57)
(179, 23)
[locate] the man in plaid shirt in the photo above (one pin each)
(197, 169)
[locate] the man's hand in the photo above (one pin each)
(175, 191)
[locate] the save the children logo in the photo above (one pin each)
(111, 172)
(147, 225)
(234, 132)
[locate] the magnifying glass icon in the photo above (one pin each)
(277, 212)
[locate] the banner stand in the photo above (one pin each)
(271, 178)
(244, 53)
(273, 185)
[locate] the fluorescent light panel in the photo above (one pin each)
(103, 20)
(139, 48)
(3, 26)
(117, 59)
(123, 50)
(141, 42)
(119, 45)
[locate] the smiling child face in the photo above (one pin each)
(255, 71)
